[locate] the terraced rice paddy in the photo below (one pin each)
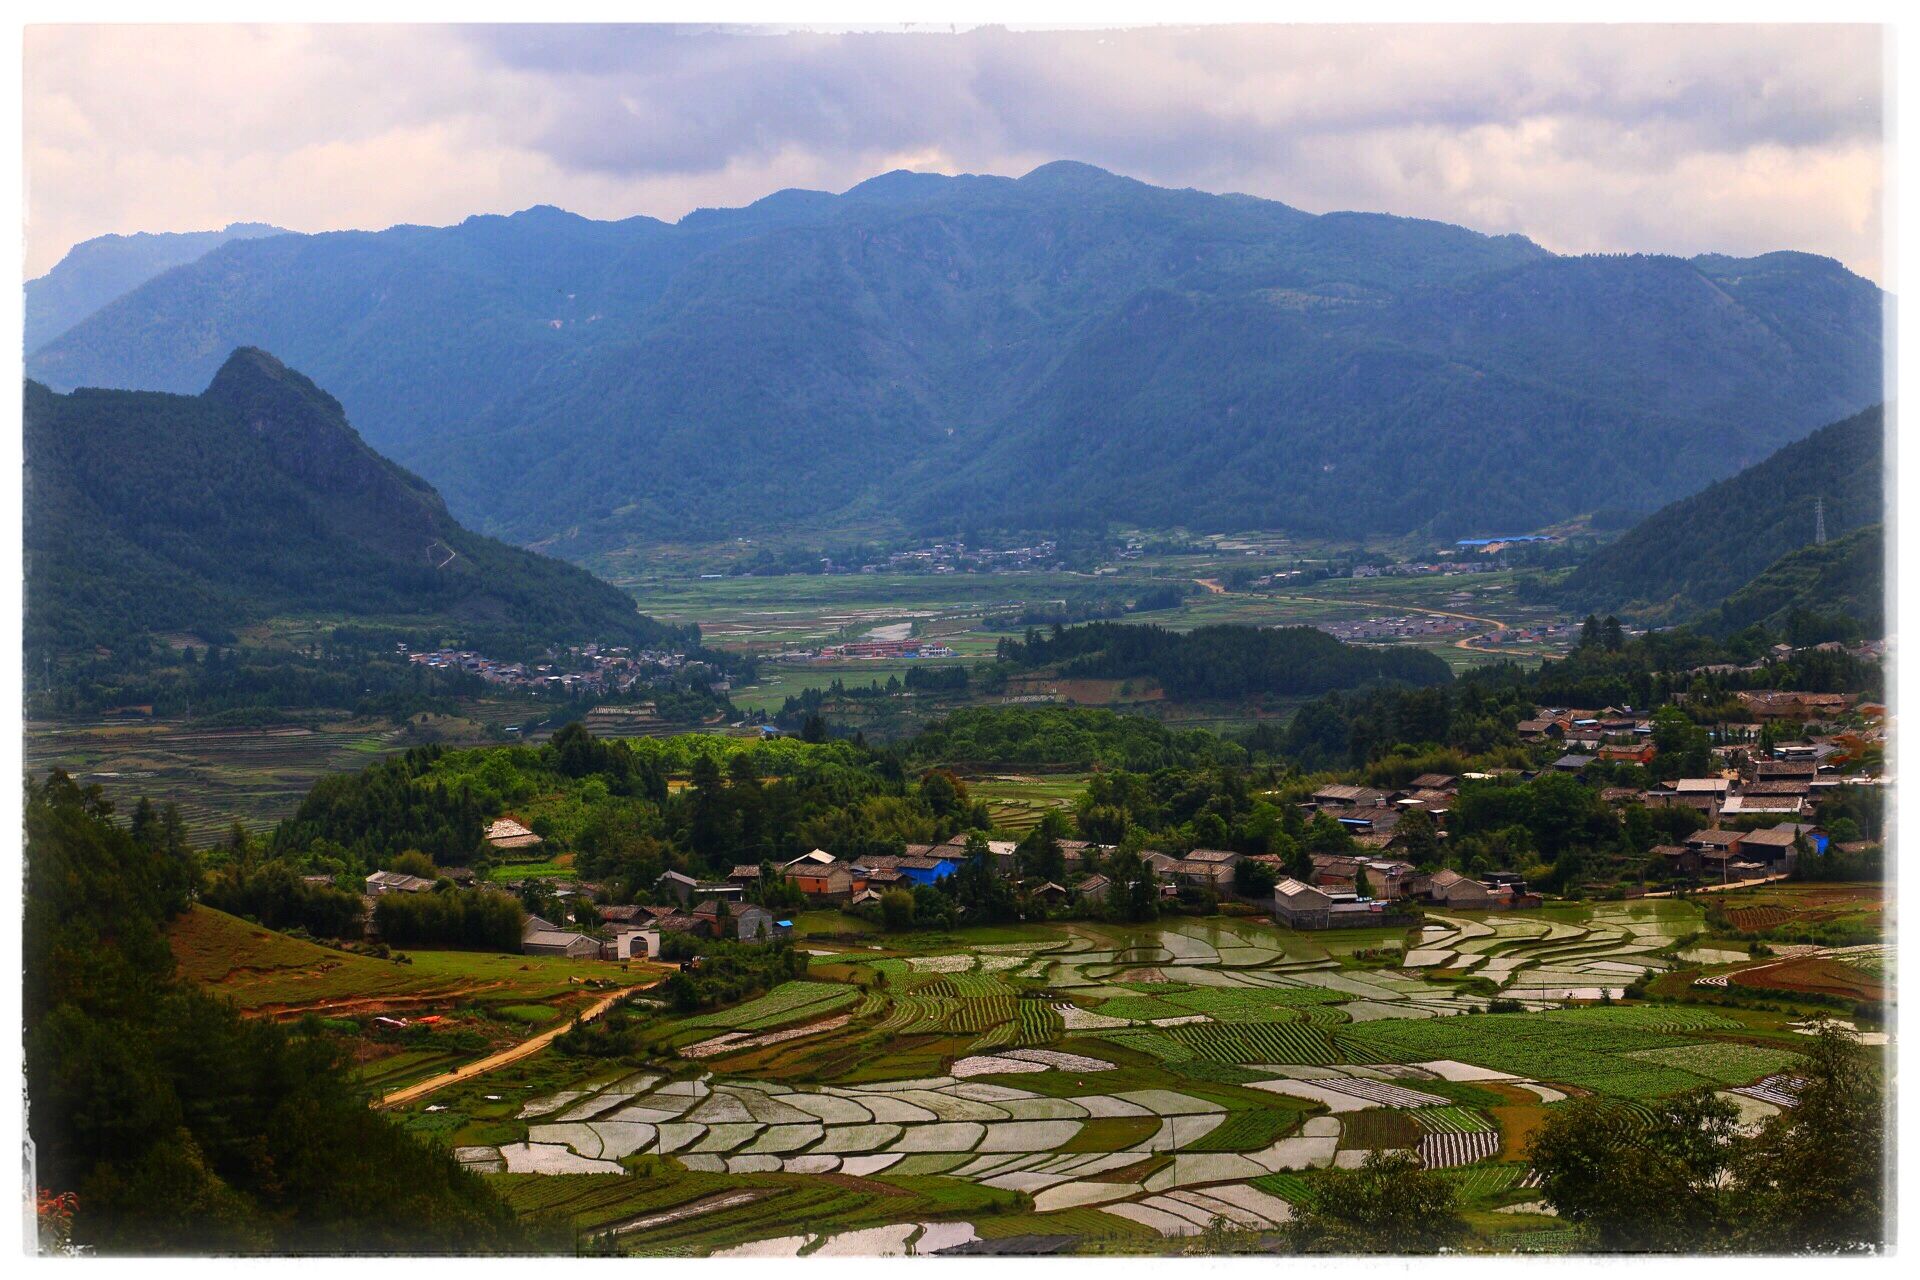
(1126, 1087)
(216, 776)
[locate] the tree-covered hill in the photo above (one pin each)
(1222, 661)
(151, 512)
(1066, 348)
(175, 1125)
(1683, 560)
(1818, 588)
(95, 272)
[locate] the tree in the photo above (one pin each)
(1417, 837)
(1362, 887)
(1815, 1176)
(1390, 1204)
(896, 910)
(1039, 850)
(1657, 1187)
(1253, 879)
(415, 863)
(175, 1124)
(1612, 637)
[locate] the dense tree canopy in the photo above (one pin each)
(177, 1125)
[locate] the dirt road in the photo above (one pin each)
(1729, 887)
(1465, 642)
(493, 1062)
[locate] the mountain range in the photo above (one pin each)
(1072, 347)
(95, 272)
(255, 499)
(1682, 562)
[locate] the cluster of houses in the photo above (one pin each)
(912, 647)
(1371, 886)
(1715, 854)
(588, 668)
(1624, 735)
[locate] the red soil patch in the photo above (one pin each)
(1754, 919)
(1815, 974)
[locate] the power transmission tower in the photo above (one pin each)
(1819, 522)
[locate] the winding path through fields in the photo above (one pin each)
(494, 1062)
(1465, 642)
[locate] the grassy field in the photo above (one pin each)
(767, 615)
(267, 972)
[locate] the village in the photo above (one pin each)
(576, 671)
(1750, 818)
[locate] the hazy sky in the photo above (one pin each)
(1659, 139)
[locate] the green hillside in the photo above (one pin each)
(153, 512)
(1686, 558)
(1837, 589)
(1072, 347)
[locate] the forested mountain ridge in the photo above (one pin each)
(1061, 349)
(95, 272)
(151, 512)
(1685, 559)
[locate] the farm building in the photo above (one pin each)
(1217, 865)
(1370, 819)
(1714, 840)
(556, 942)
(382, 882)
(1744, 806)
(1200, 875)
(1774, 847)
(1301, 906)
(680, 885)
(1345, 797)
(1679, 860)
(829, 882)
(926, 870)
(1452, 889)
(753, 924)
(1001, 854)
(1093, 889)
(1052, 894)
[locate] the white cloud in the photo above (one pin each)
(1662, 139)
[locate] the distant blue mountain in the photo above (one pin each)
(952, 354)
(97, 271)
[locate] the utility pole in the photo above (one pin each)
(1819, 522)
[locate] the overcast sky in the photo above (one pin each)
(1668, 139)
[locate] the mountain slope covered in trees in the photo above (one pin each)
(1814, 589)
(95, 272)
(176, 1125)
(1683, 560)
(1059, 350)
(151, 512)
